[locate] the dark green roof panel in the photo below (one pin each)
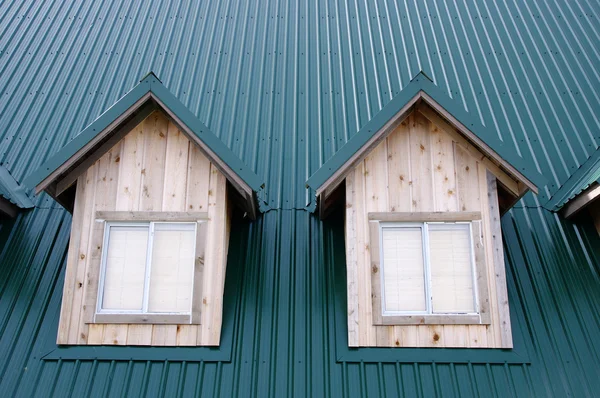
(285, 84)
(283, 297)
(12, 191)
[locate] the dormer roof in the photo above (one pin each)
(421, 93)
(60, 172)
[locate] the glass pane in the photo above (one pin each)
(125, 268)
(172, 273)
(451, 268)
(403, 272)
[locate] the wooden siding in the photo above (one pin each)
(155, 168)
(420, 167)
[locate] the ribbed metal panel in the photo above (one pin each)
(284, 84)
(285, 343)
(12, 191)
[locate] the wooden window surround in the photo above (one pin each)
(107, 219)
(379, 221)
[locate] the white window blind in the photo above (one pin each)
(172, 268)
(148, 268)
(125, 268)
(451, 269)
(403, 274)
(427, 268)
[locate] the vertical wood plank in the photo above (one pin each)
(376, 193)
(173, 199)
(164, 335)
(155, 130)
(444, 174)
(129, 191)
(399, 191)
(70, 284)
(421, 183)
(399, 188)
(367, 332)
(351, 261)
(106, 193)
(467, 181)
(421, 164)
(197, 200)
(498, 270)
(78, 333)
(214, 276)
(130, 171)
(95, 334)
(493, 330)
(198, 180)
(114, 335)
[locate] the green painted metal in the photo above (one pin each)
(150, 84)
(421, 82)
(287, 270)
(284, 85)
(586, 175)
(12, 191)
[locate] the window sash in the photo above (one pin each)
(181, 226)
(425, 226)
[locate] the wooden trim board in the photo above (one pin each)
(437, 216)
(182, 216)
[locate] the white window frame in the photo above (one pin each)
(424, 227)
(143, 315)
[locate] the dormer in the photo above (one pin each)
(423, 186)
(152, 192)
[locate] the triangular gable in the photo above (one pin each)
(59, 172)
(421, 90)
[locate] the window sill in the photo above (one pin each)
(431, 319)
(145, 319)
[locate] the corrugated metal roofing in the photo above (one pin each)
(284, 85)
(284, 336)
(12, 191)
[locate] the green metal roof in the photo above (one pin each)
(12, 191)
(588, 173)
(284, 321)
(284, 85)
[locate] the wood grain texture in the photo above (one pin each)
(158, 174)
(419, 167)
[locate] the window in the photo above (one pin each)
(428, 273)
(147, 272)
